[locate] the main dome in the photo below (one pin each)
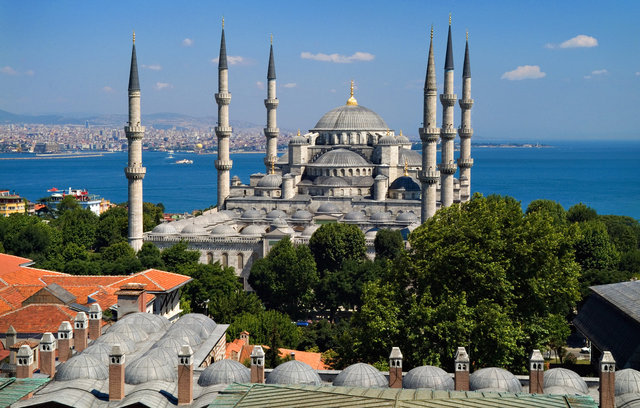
(351, 117)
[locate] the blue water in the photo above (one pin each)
(601, 175)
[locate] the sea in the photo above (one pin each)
(602, 175)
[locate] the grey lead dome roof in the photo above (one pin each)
(148, 322)
(565, 379)
(224, 372)
(149, 368)
(302, 215)
(341, 158)
(627, 382)
(327, 208)
(164, 228)
(270, 181)
(494, 379)
(428, 377)
(294, 372)
(351, 117)
(405, 182)
(81, 366)
(361, 375)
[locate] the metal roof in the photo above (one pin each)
(13, 389)
(261, 395)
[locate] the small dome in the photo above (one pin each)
(627, 382)
(81, 366)
(223, 230)
(380, 217)
(294, 372)
(361, 375)
(351, 117)
(149, 368)
(354, 216)
(163, 354)
(185, 335)
(172, 344)
(225, 372)
(302, 215)
(412, 157)
(251, 215)
(111, 339)
(405, 182)
(387, 140)
(165, 228)
(310, 230)
(327, 208)
(330, 181)
(566, 379)
(148, 322)
(130, 331)
(273, 214)
(270, 181)
(231, 214)
(407, 217)
(298, 140)
(402, 139)
(341, 158)
(494, 379)
(428, 377)
(100, 351)
(279, 222)
(194, 229)
(205, 325)
(253, 230)
(216, 218)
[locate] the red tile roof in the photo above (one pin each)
(37, 318)
(312, 359)
(158, 281)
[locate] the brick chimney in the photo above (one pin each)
(536, 373)
(257, 365)
(12, 338)
(185, 375)
(95, 321)
(80, 331)
(607, 380)
(245, 336)
(65, 341)
(461, 377)
(116, 374)
(131, 299)
(24, 365)
(395, 368)
(48, 354)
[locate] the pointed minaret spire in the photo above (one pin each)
(448, 62)
(466, 70)
(222, 60)
(465, 162)
(223, 130)
(271, 72)
(271, 132)
(447, 133)
(134, 83)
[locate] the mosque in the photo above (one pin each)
(350, 167)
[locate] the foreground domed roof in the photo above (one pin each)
(194, 229)
(225, 372)
(361, 375)
(112, 338)
(164, 228)
(253, 230)
(405, 182)
(565, 379)
(149, 368)
(223, 230)
(294, 372)
(428, 377)
(351, 117)
(99, 351)
(130, 331)
(327, 208)
(494, 379)
(627, 382)
(341, 158)
(81, 366)
(148, 322)
(270, 181)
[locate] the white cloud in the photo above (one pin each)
(152, 67)
(107, 89)
(579, 41)
(524, 72)
(599, 72)
(290, 85)
(187, 42)
(233, 60)
(338, 58)
(29, 72)
(8, 70)
(260, 84)
(163, 85)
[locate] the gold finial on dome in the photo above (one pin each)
(406, 167)
(271, 39)
(273, 170)
(432, 31)
(400, 132)
(467, 35)
(449, 18)
(352, 101)
(134, 36)
(223, 22)
(298, 132)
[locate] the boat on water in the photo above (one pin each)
(184, 161)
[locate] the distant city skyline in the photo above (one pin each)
(541, 70)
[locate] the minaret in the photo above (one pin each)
(429, 134)
(271, 103)
(465, 131)
(223, 130)
(447, 132)
(134, 170)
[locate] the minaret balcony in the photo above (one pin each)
(465, 132)
(466, 103)
(223, 164)
(223, 131)
(223, 98)
(134, 129)
(271, 103)
(465, 163)
(447, 168)
(135, 172)
(429, 176)
(430, 134)
(448, 99)
(448, 133)
(271, 132)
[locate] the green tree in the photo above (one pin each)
(78, 226)
(67, 203)
(150, 256)
(594, 250)
(119, 259)
(333, 244)
(581, 213)
(553, 208)
(152, 215)
(262, 327)
(113, 227)
(224, 308)
(285, 278)
(388, 244)
(179, 258)
(210, 284)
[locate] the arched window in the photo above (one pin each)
(225, 259)
(209, 258)
(240, 261)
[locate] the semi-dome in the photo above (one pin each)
(223, 230)
(354, 216)
(361, 375)
(273, 214)
(341, 158)
(428, 377)
(568, 380)
(627, 382)
(294, 372)
(330, 181)
(194, 229)
(327, 208)
(302, 215)
(253, 230)
(270, 181)
(494, 379)
(81, 366)
(225, 372)
(406, 183)
(164, 228)
(310, 230)
(251, 215)
(350, 117)
(149, 368)
(407, 217)
(412, 157)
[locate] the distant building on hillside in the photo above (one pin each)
(11, 203)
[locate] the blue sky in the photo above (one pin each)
(542, 70)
